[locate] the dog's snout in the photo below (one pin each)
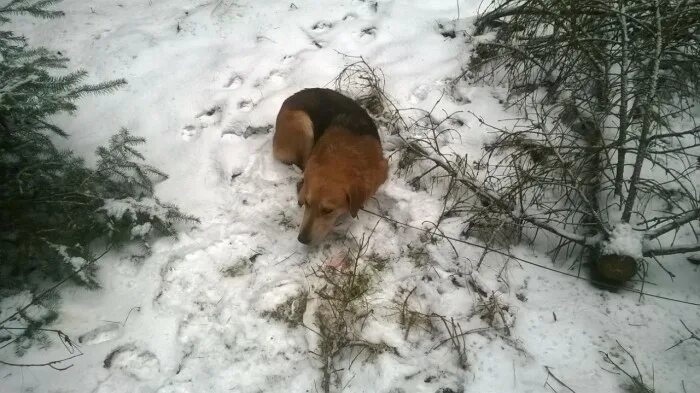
(303, 238)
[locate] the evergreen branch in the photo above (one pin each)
(55, 286)
(105, 87)
(36, 9)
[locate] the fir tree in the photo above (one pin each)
(57, 216)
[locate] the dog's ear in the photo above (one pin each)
(301, 192)
(356, 198)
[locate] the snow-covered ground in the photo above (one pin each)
(220, 308)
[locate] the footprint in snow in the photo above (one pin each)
(368, 32)
(246, 130)
(189, 132)
(234, 82)
(419, 94)
(288, 59)
(275, 77)
(102, 334)
(322, 26)
(206, 118)
(318, 43)
(138, 363)
(246, 105)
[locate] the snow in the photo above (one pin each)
(200, 314)
(624, 240)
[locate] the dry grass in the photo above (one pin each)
(342, 313)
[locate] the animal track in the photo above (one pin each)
(209, 112)
(275, 77)
(368, 31)
(246, 105)
(419, 94)
(206, 118)
(447, 29)
(133, 361)
(246, 131)
(288, 59)
(322, 26)
(189, 132)
(101, 334)
(234, 82)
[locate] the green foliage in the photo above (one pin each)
(56, 214)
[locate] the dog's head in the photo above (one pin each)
(325, 200)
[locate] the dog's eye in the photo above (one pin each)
(326, 210)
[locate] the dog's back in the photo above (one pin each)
(336, 143)
(307, 114)
(327, 108)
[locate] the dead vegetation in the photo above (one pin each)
(606, 139)
(342, 313)
(636, 382)
(692, 336)
(291, 311)
(491, 307)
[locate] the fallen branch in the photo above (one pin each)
(693, 336)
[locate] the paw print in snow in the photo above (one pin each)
(189, 132)
(206, 118)
(101, 334)
(246, 105)
(234, 82)
(275, 77)
(288, 59)
(133, 361)
(419, 94)
(368, 32)
(320, 27)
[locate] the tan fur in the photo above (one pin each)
(294, 137)
(342, 170)
(342, 173)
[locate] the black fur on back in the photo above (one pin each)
(327, 108)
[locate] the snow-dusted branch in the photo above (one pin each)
(647, 124)
(682, 249)
(676, 223)
(496, 200)
(600, 91)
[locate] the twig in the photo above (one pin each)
(693, 336)
(53, 364)
(638, 380)
(551, 374)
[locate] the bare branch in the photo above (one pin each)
(676, 223)
(683, 249)
(693, 336)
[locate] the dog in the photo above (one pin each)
(335, 142)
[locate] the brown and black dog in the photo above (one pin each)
(336, 143)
